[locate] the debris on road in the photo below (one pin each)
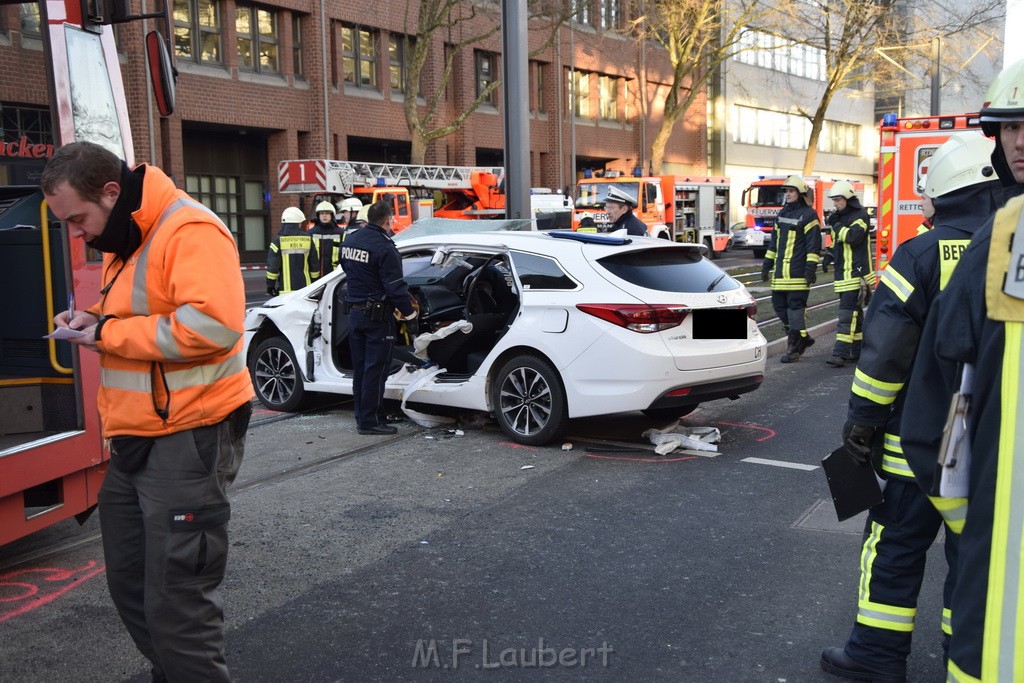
(667, 439)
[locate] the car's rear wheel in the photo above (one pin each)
(275, 376)
(711, 249)
(669, 413)
(529, 401)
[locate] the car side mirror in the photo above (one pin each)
(162, 73)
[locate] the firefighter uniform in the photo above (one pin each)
(327, 239)
(854, 277)
(373, 271)
(900, 530)
(292, 261)
(792, 263)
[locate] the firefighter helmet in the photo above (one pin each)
(325, 207)
(364, 213)
(620, 197)
(293, 214)
(1004, 100)
(842, 189)
(963, 160)
(350, 204)
(795, 182)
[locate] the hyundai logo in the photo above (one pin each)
(722, 298)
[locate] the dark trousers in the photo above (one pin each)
(371, 344)
(789, 306)
(897, 536)
(165, 541)
(849, 337)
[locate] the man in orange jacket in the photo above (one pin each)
(174, 398)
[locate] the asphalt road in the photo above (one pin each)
(435, 557)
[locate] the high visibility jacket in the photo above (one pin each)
(851, 248)
(327, 242)
(918, 271)
(292, 259)
(796, 247)
(974, 321)
(171, 333)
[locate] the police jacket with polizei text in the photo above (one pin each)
(632, 224)
(327, 240)
(796, 247)
(170, 340)
(911, 281)
(373, 269)
(292, 258)
(851, 247)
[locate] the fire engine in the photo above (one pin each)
(416, 190)
(765, 198)
(906, 146)
(680, 208)
(52, 458)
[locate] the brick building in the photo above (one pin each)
(262, 83)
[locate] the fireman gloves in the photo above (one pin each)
(859, 441)
(811, 273)
(766, 269)
(272, 287)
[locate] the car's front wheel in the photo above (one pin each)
(669, 413)
(529, 401)
(275, 376)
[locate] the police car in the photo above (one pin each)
(533, 327)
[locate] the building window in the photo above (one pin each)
(538, 74)
(608, 97)
(779, 129)
(359, 56)
(197, 31)
(30, 20)
(579, 90)
(611, 15)
(840, 138)
(583, 12)
(486, 68)
(298, 68)
(236, 201)
(780, 54)
(256, 32)
(400, 49)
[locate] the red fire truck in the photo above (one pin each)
(906, 146)
(52, 458)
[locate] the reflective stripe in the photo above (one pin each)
(882, 393)
(953, 511)
(886, 616)
(1002, 657)
(205, 374)
(947, 621)
(210, 328)
(892, 443)
(273, 246)
(897, 283)
(165, 339)
(955, 675)
(896, 465)
(126, 380)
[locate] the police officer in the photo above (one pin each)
(620, 205)
(978, 322)
(792, 265)
(292, 259)
(326, 238)
(855, 274)
(899, 531)
(373, 270)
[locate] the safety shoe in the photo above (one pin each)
(836, 361)
(379, 430)
(835, 661)
(790, 357)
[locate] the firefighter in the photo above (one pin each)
(587, 223)
(326, 238)
(854, 273)
(291, 259)
(792, 264)
(348, 209)
(900, 530)
(620, 205)
(977, 322)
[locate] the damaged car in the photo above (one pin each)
(532, 327)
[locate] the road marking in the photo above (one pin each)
(780, 463)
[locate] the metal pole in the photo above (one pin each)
(572, 102)
(642, 81)
(516, 104)
(323, 56)
(936, 73)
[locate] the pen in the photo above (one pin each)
(71, 307)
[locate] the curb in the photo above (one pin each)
(779, 345)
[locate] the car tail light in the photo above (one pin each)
(638, 318)
(680, 392)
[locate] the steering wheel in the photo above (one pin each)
(471, 283)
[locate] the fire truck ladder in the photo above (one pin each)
(342, 177)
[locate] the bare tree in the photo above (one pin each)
(474, 23)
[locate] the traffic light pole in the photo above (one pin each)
(515, 103)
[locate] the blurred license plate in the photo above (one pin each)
(755, 237)
(720, 323)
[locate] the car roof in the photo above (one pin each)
(596, 245)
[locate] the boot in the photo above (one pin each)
(836, 361)
(806, 342)
(794, 349)
(835, 661)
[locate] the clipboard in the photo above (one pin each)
(854, 487)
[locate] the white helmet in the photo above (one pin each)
(325, 207)
(293, 214)
(963, 160)
(843, 189)
(1003, 101)
(350, 204)
(797, 183)
(621, 197)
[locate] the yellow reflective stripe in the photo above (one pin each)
(892, 442)
(205, 326)
(955, 675)
(953, 511)
(867, 560)
(205, 374)
(126, 380)
(897, 283)
(896, 465)
(882, 393)
(949, 257)
(272, 276)
(886, 616)
(947, 621)
(273, 246)
(1002, 657)
(770, 255)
